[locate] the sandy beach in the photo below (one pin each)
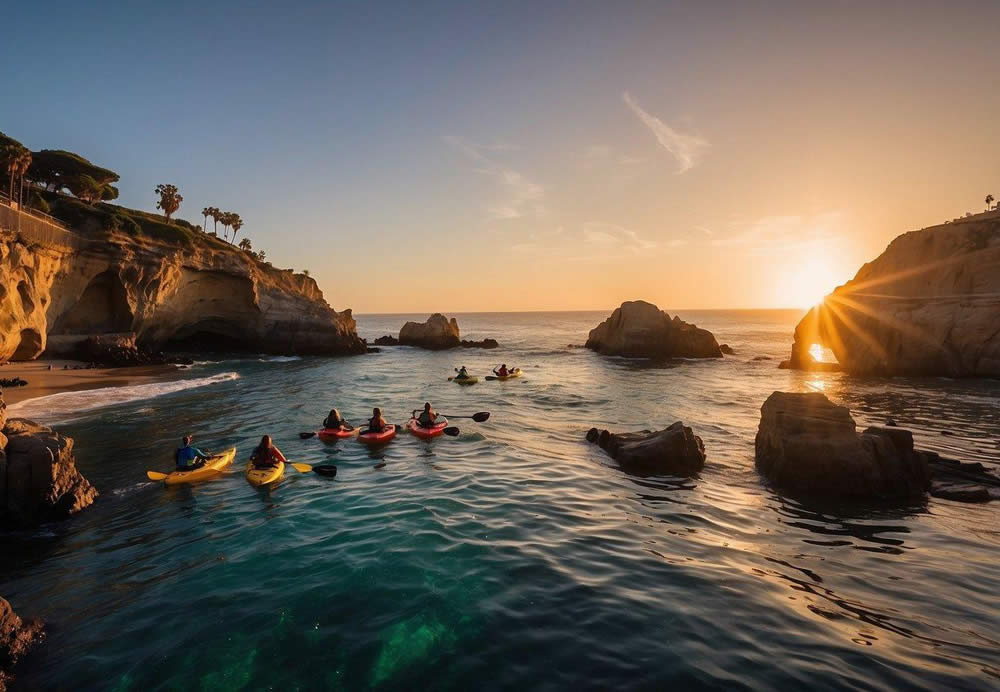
(43, 381)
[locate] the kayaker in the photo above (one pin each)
(266, 454)
(462, 373)
(427, 417)
(376, 423)
(187, 457)
(502, 371)
(334, 421)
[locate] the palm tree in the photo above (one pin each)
(170, 199)
(989, 200)
(236, 222)
(214, 213)
(246, 245)
(22, 163)
(205, 212)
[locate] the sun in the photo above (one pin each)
(809, 280)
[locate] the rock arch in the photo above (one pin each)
(103, 308)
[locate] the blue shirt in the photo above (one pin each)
(185, 455)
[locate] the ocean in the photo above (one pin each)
(516, 555)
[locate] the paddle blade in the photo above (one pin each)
(451, 432)
(301, 468)
(306, 436)
(450, 379)
(154, 476)
(328, 470)
(481, 417)
(491, 377)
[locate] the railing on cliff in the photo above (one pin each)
(36, 227)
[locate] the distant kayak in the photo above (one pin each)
(426, 432)
(516, 372)
(262, 476)
(376, 438)
(212, 468)
(464, 380)
(336, 433)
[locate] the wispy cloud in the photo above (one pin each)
(782, 232)
(686, 149)
(522, 196)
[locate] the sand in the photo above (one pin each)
(42, 381)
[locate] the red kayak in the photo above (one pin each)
(377, 438)
(425, 432)
(336, 433)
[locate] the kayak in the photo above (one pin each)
(465, 380)
(258, 477)
(377, 438)
(516, 372)
(212, 468)
(336, 433)
(425, 432)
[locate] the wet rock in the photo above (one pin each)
(485, 343)
(437, 333)
(13, 382)
(387, 341)
(675, 450)
(961, 481)
(727, 350)
(960, 491)
(761, 358)
(639, 329)
(807, 444)
(38, 476)
(374, 349)
(17, 636)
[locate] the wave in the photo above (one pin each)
(66, 406)
(279, 359)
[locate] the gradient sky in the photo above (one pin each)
(530, 155)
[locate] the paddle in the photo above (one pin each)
(480, 417)
(307, 435)
(301, 468)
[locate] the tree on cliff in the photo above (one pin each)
(989, 200)
(170, 199)
(18, 160)
(216, 214)
(246, 245)
(91, 190)
(236, 222)
(205, 213)
(56, 169)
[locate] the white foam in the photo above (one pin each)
(280, 359)
(66, 406)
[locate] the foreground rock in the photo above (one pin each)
(675, 450)
(928, 305)
(38, 476)
(807, 444)
(436, 334)
(639, 329)
(17, 636)
(58, 292)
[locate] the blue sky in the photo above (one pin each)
(463, 156)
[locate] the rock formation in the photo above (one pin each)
(387, 341)
(639, 329)
(675, 450)
(807, 444)
(38, 476)
(437, 333)
(208, 295)
(16, 638)
(928, 305)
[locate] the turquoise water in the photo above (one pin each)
(514, 555)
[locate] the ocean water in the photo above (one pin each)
(515, 556)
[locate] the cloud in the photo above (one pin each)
(686, 149)
(779, 233)
(522, 196)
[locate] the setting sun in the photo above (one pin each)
(807, 284)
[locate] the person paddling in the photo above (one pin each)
(502, 371)
(266, 455)
(428, 417)
(463, 373)
(188, 457)
(376, 423)
(334, 421)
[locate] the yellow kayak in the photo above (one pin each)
(212, 468)
(465, 380)
(516, 372)
(258, 477)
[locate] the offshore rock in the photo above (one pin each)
(17, 636)
(925, 306)
(485, 343)
(387, 341)
(807, 444)
(675, 450)
(436, 334)
(639, 329)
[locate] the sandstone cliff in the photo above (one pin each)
(57, 292)
(639, 329)
(928, 305)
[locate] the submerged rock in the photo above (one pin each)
(387, 341)
(808, 444)
(727, 350)
(17, 636)
(639, 329)
(485, 343)
(925, 306)
(436, 334)
(675, 450)
(38, 476)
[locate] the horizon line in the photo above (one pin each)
(514, 312)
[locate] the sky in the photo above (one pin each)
(473, 156)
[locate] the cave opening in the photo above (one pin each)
(30, 345)
(102, 309)
(202, 340)
(821, 353)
